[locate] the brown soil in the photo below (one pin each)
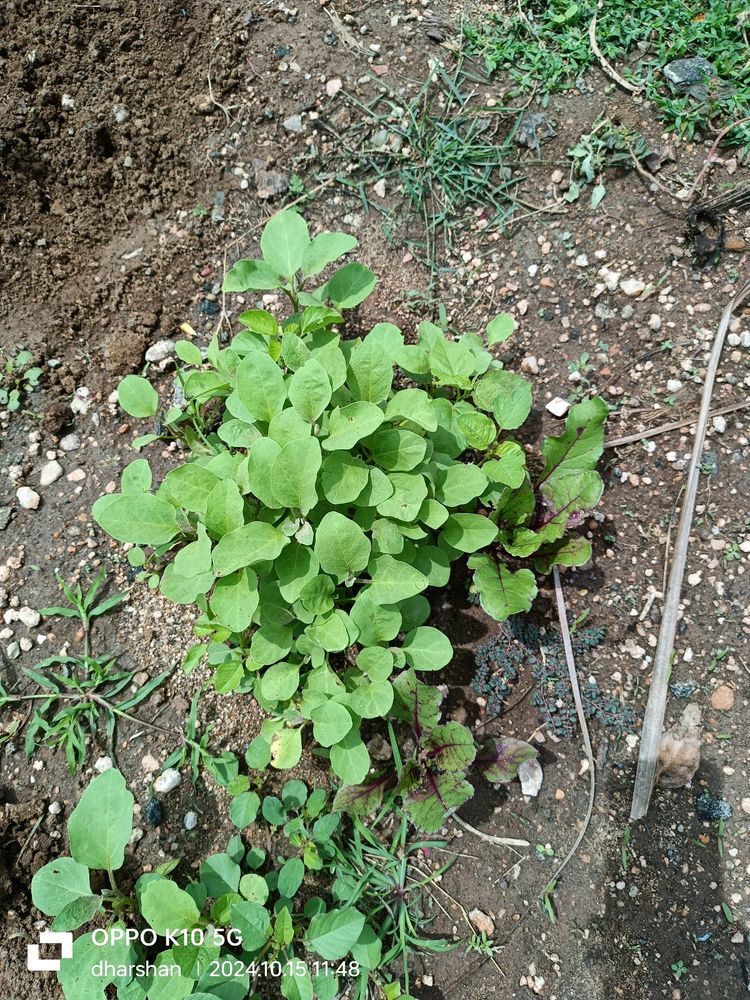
(136, 142)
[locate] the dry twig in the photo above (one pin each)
(607, 67)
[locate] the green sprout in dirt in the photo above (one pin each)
(480, 944)
(605, 145)
(85, 606)
(18, 378)
(679, 969)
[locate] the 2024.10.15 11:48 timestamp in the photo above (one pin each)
(230, 967)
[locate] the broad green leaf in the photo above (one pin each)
(243, 809)
(569, 552)
(270, 643)
(343, 477)
(260, 386)
(387, 335)
(195, 558)
(452, 363)
(427, 648)
(166, 907)
(434, 563)
(189, 486)
(295, 567)
(414, 406)
(251, 275)
(285, 241)
(137, 396)
(99, 827)
(370, 371)
(468, 532)
(378, 489)
(294, 474)
(500, 328)
(220, 874)
(448, 437)
(59, 883)
(224, 508)
(331, 722)
(280, 681)
(77, 913)
(341, 546)
(286, 748)
(414, 612)
(235, 599)
(393, 581)
(263, 454)
(449, 747)
(253, 923)
(397, 450)
(136, 477)
(377, 622)
(512, 403)
(332, 935)
(144, 519)
(296, 983)
(372, 701)
(502, 593)
(416, 702)
(290, 877)
(580, 446)
(253, 887)
(75, 975)
(246, 546)
(288, 426)
(332, 633)
(349, 424)
(409, 492)
(259, 321)
(185, 589)
(432, 513)
(439, 796)
(460, 484)
(317, 594)
(509, 468)
(310, 390)
(350, 285)
(323, 250)
(480, 432)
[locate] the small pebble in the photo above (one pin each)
(50, 473)
(191, 820)
(29, 499)
(103, 764)
(167, 781)
(722, 698)
(558, 406)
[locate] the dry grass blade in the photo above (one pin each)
(673, 426)
(653, 720)
(608, 69)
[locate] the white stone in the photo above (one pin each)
(29, 499)
(530, 365)
(654, 321)
(379, 188)
(333, 86)
(674, 385)
(160, 351)
(531, 776)
(103, 764)
(149, 763)
(558, 406)
(694, 578)
(81, 401)
(167, 781)
(28, 616)
(71, 442)
(719, 424)
(483, 922)
(50, 473)
(190, 821)
(76, 476)
(632, 287)
(582, 260)
(54, 808)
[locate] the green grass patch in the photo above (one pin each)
(546, 48)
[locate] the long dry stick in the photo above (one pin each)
(607, 67)
(675, 425)
(653, 720)
(568, 647)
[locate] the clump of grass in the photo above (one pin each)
(545, 48)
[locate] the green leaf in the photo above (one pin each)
(296, 983)
(438, 797)
(254, 887)
(310, 390)
(349, 424)
(260, 386)
(136, 477)
(460, 484)
(370, 371)
(597, 194)
(59, 883)
(331, 722)
(397, 450)
(502, 593)
(263, 454)
(570, 552)
(77, 913)
(295, 472)
(99, 827)
(376, 622)
(500, 328)
(509, 468)
(280, 681)
(452, 363)
(253, 922)
(341, 546)
(323, 250)
(393, 581)
(343, 477)
(290, 877)
(189, 486)
(469, 532)
(362, 799)
(427, 648)
(414, 406)
(188, 352)
(235, 599)
(224, 508)
(416, 702)
(137, 396)
(580, 446)
(243, 809)
(512, 403)
(166, 907)
(75, 975)
(220, 874)
(295, 567)
(372, 701)
(251, 275)
(409, 493)
(350, 760)
(480, 432)
(246, 546)
(144, 519)
(499, 759)
(449, 747)
(350, 285)
(286, 748)
(434, 563)
(332, 935)
(285, 241)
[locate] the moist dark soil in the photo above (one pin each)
(142, 146)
